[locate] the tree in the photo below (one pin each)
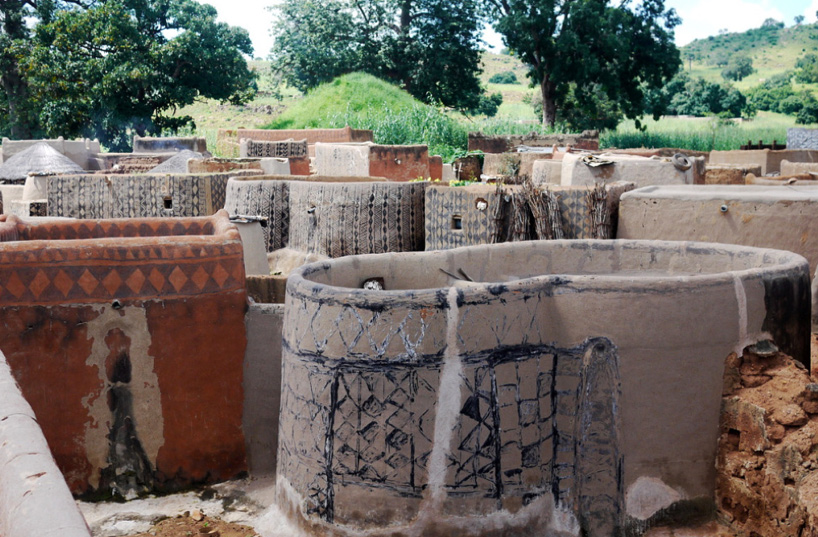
(688, 96)
(112, 68)
(429, 47)
(593, 47)
(807, 69)
(738, 68)
(799, 19)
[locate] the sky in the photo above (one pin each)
(700, 18)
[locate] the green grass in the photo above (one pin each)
(699, 134)
(347, 95)
(365, 102)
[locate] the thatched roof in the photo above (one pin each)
(177, 163)
(40, 158)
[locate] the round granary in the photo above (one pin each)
(338, 219)
(519, 388)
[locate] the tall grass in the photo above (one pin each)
(417, 124)
(700, 134)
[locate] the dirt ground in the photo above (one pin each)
(195, 524)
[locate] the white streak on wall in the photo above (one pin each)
(448, 403)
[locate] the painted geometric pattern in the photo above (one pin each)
(139, 196)
(268, 199)
(383, 427)
(101, 229)
(278, 149)
(443, 205)
(341, 219)
(55, 278)
(369, 422)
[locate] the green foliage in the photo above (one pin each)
(778, 95)
(685, 96)
(807, 69)
(489, 104)
(506, 77)
(623, 51)
(698, 134)
(365, 102)
(738, 68)
(429, 47)
(121, 67)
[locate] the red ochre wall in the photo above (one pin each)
(133, 340)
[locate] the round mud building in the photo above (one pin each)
(532, 388)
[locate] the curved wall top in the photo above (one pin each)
(570, 381)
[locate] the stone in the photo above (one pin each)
(729, 175)
(790, 416)
(196, 515)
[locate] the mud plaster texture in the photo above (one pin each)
(338, 219)
(109, 332)
(139, 196)
(444, 406)
(767, 482)
(455, 216)
(769, 160)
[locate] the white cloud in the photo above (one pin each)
(702, 18)
(809, 12)
(252, 15)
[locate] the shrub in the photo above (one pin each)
(506, 77)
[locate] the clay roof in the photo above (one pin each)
(177, 163)
(40, 158)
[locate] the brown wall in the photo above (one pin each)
(112, 341)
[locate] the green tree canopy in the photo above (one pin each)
(112, 68)
(807, 69)
(587, 49)
(738, 68)
(429, 47)
(686, 96)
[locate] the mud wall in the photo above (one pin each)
(468, 216)
(109, 330)
(139, 196)
(337, 219)
(516, 402)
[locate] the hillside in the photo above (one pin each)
(354, 94)
(773, 50)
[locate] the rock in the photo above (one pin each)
(197, 515)
(790, 416)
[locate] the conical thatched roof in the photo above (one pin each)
(40, 158)
(177, 163)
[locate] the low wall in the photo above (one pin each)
(729, 175)
(395, 162)
(168, 144)
(127, 337)
(769, 160)
(588, 140)
(139, 196)
(571, 384)
(802, 138)
(749, 215)
(640, 170)
(34, 499)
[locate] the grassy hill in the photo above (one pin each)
(352, 94)
(773, 51)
